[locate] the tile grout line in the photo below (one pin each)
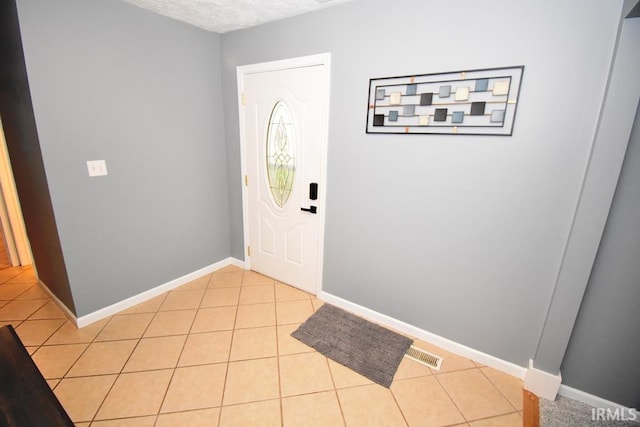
(499, 391)
(121, 369)
(76, 361)
(451, 398)
(278, 356)
(226, 373)
(175, 368)
(404, 417)
(118, 375)
(335, 390)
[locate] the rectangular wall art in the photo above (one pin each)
(473, 102)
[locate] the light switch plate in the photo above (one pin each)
(97, 167)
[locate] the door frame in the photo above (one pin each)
(323, 59)
(13, 227)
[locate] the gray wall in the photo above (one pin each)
(607, 155)
(115, 82)
(16, 113)
(460, 235)
(603, 353)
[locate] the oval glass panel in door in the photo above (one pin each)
(281, 156)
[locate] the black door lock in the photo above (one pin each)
(313, 191)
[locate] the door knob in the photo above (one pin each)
(310, 209)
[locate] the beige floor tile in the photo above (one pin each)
(25, 276)
(150, 306)
(156, 353)
(103, 358)
(170, 323)
(255, 315)
(411, 369)
(35, 292)
(318, 409)
(304, 373)
(195, 387)
(8, 273)
(197, 418)
(251, 380)
(230, 269)
(53, 383)
(293, 311)
(36, 332)
(196, 284)
(48, 311)
(81, 397)
(289, 293)
(54, 361)
(254, 343)
(21, 309)
(70, 334)
(214, 319)
(424, 402)
(126, 422)
(220, 297)
(126, 326)
(182, 300)
(509, 420)
(316, 303)
(510, 387)
(225, 279)
(263, 414)
(135, 394)
(344, 377)
(289, 345)
(251, 278)
(206, 348)
(369, 405)
(257, 294)
(473, 394)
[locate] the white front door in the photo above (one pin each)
(284, 131)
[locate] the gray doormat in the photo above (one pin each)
(360, 345)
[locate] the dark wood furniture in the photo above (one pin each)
(25, 397)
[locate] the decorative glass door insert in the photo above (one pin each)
(281, 156)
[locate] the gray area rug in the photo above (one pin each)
(565, 412)
(358, 344)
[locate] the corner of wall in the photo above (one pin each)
(541, 383)
(105, 312)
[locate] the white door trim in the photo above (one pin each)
(10, 211)
(323, 59)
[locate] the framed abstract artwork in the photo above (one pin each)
(471, 102)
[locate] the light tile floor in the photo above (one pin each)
(218, 351)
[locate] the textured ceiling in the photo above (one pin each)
(221, 16)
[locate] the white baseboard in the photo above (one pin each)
(452, 346)
(151, 293)
(237, 263)
(595, 401)
(59, 303)
(541, 383)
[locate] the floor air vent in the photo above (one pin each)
(424, 357)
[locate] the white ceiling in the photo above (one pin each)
(221, 16)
